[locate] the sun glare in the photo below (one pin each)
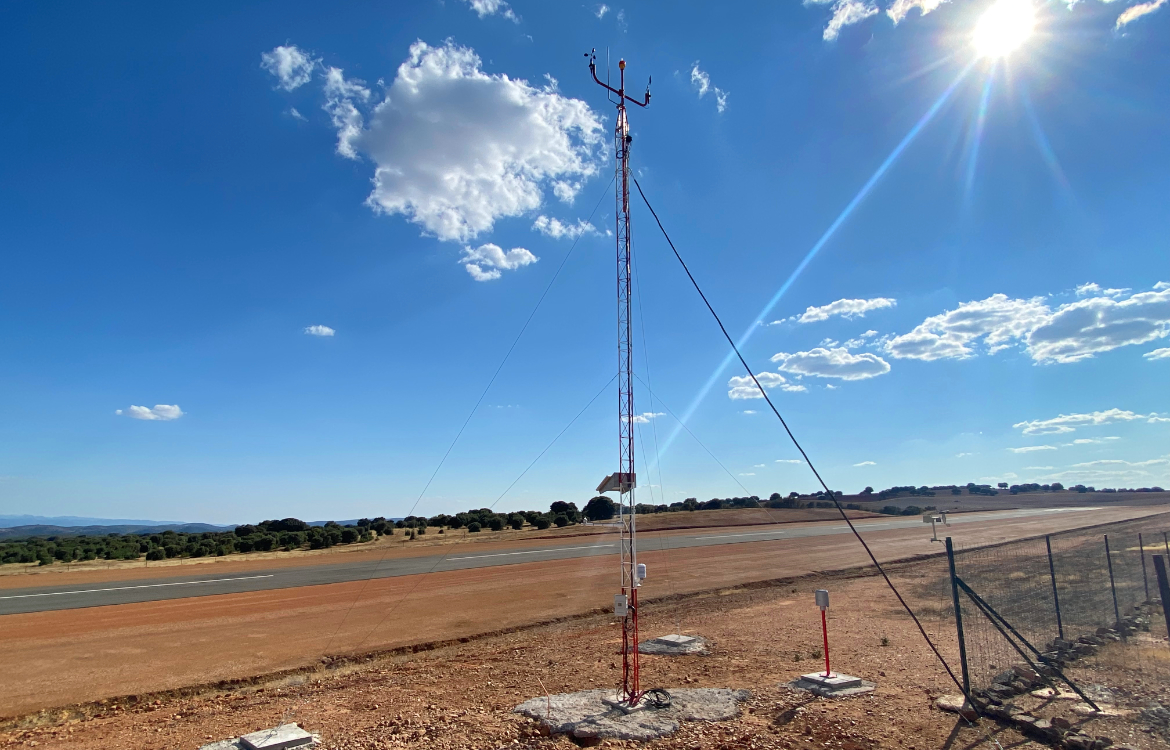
(1004, 27)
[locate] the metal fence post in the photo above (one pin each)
(1163, 587)
(1112, 584)
(1166, 541)
(958, 619)
(1055, 595)
(1145, 579)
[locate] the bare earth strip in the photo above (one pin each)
(58, 658)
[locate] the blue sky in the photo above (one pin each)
(261, 261)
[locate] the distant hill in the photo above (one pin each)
(26, 520)
(43, 530)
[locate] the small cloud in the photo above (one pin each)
(845, 13)
(758, 466)
(319, 331)
(1066, 423)
(748, 411)
(1033, 448)
(833, 363)
(866, 463)
(487, 262)
(831, 387)
(789, 461)
(702, 83)
(621, 20)
(1094, 290)
(296, 115)
(1135, 12)
(1039, 468)
(963, 455)
(860, 340)
(845, 308)
(160, 412)
(645, 417)
(554, 228)
(292, 66)
(601, 10)
(1157, 354)
(747, 473)
(743, 387)
(1093, 441)
(485, 8)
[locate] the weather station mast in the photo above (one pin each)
(624, 481)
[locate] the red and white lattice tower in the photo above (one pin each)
(624, 481)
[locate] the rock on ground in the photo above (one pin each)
(585, 716)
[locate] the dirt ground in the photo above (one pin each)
(59, 658)
(461, 695)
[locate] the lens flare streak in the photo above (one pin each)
(816, 248)
(977, 138)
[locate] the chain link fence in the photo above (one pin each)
(1065, 585)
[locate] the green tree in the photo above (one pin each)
(600, 508)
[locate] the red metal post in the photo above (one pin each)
(825, 633)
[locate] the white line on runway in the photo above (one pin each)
(530, 552)
(750, 533)
(143, 586)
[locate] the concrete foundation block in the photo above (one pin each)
(283, 737)
(589, 714)
(674, 645)
(832, 686)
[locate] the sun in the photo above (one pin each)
(1004, 27)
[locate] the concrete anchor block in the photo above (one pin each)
(675, 645)
(283, 737)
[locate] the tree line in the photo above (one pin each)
(291, 533)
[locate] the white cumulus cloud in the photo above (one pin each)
(486, 262)
(1070, 422)
(1081, 329)
(555, 228)
(702, 83)
(601, 10)
(1093, 441)
(1157, 354)
(160, 412)
(832, 363)
(998, 321)
(1072, 332)
(456, 149)
(845, 308)
(645, 417)
(742, 386)
(319, 331)
(1033, 448)
(866, 463)
(292, 66)
(789, 461)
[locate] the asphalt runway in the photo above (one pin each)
(457, 557)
